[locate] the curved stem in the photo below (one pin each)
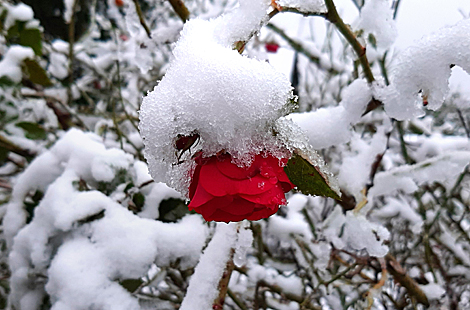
(333, 17)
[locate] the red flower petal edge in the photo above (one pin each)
(221, 191)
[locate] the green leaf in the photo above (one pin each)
(3, 16)
(33, 131)
(372, 40)
(172, 209)
(36, 73)
(3, 154)
(139, 200)
(31, 37)
(131, 285)
(308, 178)
(5, 81)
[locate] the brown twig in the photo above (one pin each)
(180, 9)
(399, 274)
(236, 300)
(12, 147)
(141, 18)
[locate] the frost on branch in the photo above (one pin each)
(443, 169)
(420, 76)
(229, 100)
(305, 6)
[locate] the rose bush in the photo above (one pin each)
(222, 191)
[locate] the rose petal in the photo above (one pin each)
(199, 198)
(232, 171)
(222, 216)
(239, 206)
(217, 184)
(207, 209)
(261, 214)
(274, 196)
(194, 181)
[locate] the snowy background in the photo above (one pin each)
(93, 192)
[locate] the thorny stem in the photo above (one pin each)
(223, 283)
(399, 275)
(141, 18)
(236, 300)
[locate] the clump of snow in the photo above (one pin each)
(376, 18)
(84, 242)
(10, 66)
(229, 100)
(294, 223)
(241, 23)
(244, 241)
(422, 72)
(203, 286)
(68, 5)
(357, 233)
(400, 207)
(444, 169)
(305, 6)
(354, 173)
(433, 291)
(58, 65)
(20, 12)
(332, 125)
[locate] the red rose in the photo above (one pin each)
(271, 47)
(222, 191)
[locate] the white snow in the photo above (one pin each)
(10, 65)
(203, 286)
(357, 233)
(68, 5)
(306, 6)
(294, 223)
(399, 207)
(83, 260)
(20, 12)
(354, 172)
(244, 242)
(332, 125)
(444, 169)
(423, 71)
(433, 291)
(376, 18)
